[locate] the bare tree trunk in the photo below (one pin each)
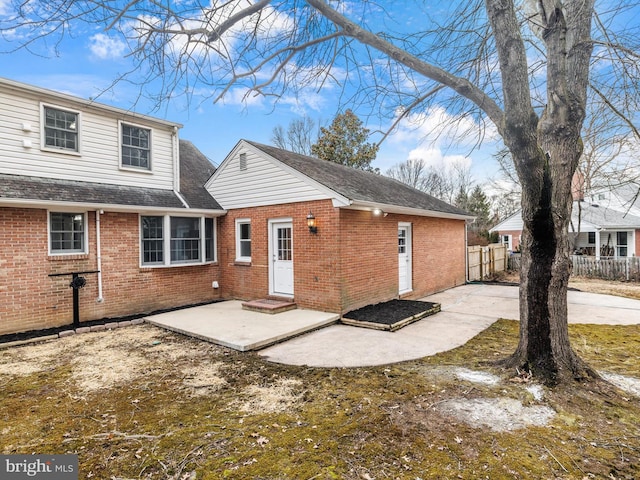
(546, 151)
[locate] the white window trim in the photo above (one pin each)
(131, 168)
(85, 241)
(166, 242)
(44, 146)
(242, 221)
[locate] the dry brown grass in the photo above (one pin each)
(142, 403)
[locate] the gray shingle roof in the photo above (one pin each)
(604, 217)
(53, 190)
(358, 185)
(195, 170)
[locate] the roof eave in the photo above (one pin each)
(33, 203)
(401, 210)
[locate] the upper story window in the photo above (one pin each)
(243, 240)
(60, 129)
(135, 146)
(67, 233)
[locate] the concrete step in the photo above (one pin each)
(269, 305)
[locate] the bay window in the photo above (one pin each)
(172, 240)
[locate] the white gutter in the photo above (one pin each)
(370, 206)
(18, 202)
(466, 253)
(100, 298)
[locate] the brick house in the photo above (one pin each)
(373, 238)
(86, 187)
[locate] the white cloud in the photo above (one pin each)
(105, 47)
(434, 157)
(5, 7)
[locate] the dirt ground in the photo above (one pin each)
(143, 403)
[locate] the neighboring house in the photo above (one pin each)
(599, 231)
(375, 238)
(85, 187)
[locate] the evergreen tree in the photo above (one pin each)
(345, 142)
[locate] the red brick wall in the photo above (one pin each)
(370, 256)
(438, 254)
(515, 237)
(30, 299)
(315, 256)
(352, 261)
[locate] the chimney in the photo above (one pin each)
(577, 186)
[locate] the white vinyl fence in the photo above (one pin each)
(625, 269)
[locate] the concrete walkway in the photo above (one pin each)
(466, 311)
(307, 337)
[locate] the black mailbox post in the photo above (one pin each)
(77, 282)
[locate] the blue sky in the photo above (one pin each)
(86, 65)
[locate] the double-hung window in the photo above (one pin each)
(67, 233)
(135, 146)
(185, 239)
(167, 240)
(243, 240)
(60, 130)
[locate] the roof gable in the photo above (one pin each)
(250, 177)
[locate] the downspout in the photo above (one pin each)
(100, 298)
(466, 253)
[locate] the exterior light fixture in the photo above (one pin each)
(311, 223)
(377, 212)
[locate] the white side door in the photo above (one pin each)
(404, 258)
(282, 258)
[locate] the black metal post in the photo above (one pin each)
(76, 302)
(77, 282)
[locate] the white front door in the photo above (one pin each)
(404, 258)
(282, 258)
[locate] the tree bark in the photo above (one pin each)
(546, 151)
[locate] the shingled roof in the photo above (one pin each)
(54, 190)
(195, 170)
(358, 185)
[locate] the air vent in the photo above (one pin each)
(243, 161)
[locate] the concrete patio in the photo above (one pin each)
(306, 337)
(227, 324)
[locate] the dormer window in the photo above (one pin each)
(60, 129)
(135, 147)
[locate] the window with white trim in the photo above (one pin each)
(243, 240)
(67, 233)
(135, 146)
(170, 240)
(60, 129)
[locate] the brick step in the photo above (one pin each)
(269, 305)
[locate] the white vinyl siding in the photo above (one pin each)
(99, 157)
(262, 182)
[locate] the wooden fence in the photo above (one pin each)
(483, 261)
(627, 269)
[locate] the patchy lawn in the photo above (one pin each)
(139, 402)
